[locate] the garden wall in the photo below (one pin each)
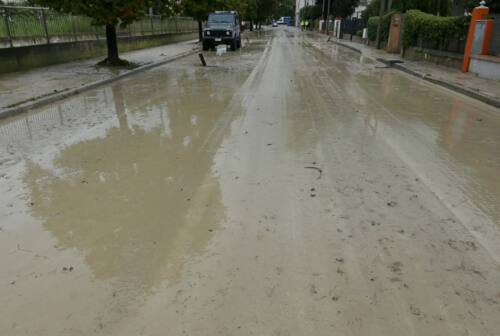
(29, 57)
(449, 59)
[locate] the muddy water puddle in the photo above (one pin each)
(112, 191)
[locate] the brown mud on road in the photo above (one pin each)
(285, 191)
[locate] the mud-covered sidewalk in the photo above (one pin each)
(23, 87)
(486, 90)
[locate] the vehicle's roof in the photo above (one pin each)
(224, 12)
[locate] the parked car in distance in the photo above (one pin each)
(222, 28)
(275, 24)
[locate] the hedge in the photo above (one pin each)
(420, 26)
(384, 29)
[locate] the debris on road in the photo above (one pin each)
(319, 170)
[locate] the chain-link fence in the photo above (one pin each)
(20, 26)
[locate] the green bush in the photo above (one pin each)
(427, 6)
(384, 29)
(310, 12)
(431, 29)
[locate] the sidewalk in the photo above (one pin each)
(469, 84)
(21, 88)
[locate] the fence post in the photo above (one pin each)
(44, 24)
(7, 26)
(152, 24)
(401, 34)
(73, 27)
(175, 24)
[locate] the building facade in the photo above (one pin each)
(299, 4)
(358, 11)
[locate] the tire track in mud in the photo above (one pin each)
(387, 239)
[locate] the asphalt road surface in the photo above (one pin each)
(291, 188)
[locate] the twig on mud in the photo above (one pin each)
(24, 250)
(317, 169)
(19, 248)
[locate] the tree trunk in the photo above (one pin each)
(328, 18)
(323, 14)
(379, 25)
(112, 44)
(458, 7)
(200, 30)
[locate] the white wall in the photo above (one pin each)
(299, 4)
(485, 69)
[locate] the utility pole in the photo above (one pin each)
(379, 25)
(328, 16)
(323, 14)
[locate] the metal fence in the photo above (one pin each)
(20, 26)
(352, 27)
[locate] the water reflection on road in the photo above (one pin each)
(125, 176)
(440, 132)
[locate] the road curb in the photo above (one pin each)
(485, 99)
(450, 86)
(10, 112)
(359, 51)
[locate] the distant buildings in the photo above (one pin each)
(360, 8)
(299, 4)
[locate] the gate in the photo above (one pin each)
(351, 27)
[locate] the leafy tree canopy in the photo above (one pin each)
(443, 7)
(340, 8)
(285, 8)
(110, 12)
(493, 4)
(257, 10)
(310, 12)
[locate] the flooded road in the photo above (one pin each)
(292, 188)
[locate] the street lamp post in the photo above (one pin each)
(379, 25)
(328, 17)
(323, 14)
